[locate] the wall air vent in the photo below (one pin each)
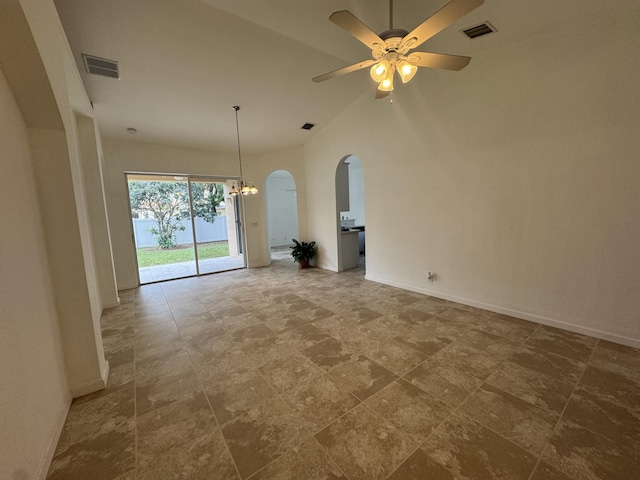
(101, 66)
(308, 126)
(479, 30)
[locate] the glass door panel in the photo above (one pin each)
(161, 220)
(214, 222)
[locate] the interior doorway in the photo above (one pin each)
(282, 210)
(350, 213)
(184, 225)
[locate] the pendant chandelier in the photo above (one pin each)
(242, 188)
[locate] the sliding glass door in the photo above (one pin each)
(214, 226)
(183, 226)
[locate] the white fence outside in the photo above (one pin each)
(205, 231)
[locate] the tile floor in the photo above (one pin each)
(276, 374)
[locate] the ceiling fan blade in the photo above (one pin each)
(452, 11)
(349, 22)
(344, 70)
(438, 60)
(381, 94)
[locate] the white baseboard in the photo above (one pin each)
(93, 385)
(260, 264)
(628, 341)
(111, 304)
(45, 460)
(331, 268)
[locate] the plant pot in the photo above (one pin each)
(304, 263)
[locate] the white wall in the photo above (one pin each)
(56, 154)
(282, 208)
(34, 397)
(50, 345)
(516, 180)
(90, 152)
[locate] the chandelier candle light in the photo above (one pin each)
(243, 188)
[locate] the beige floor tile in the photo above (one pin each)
(392, 355)
(585, 455)
(94, 417)
(232, 394)
(472, 361)
(548, 363)
(169, 364)
(420, 466)
(102, 457)
(608, 404)
(320, 401)
(308, 461)
(544, 471)
(205, 457)
(303, 336)
(265, 366)
(471, 451)
(568, 344)
(171, 425)
(531, 386)
(409, 409)
(519, 421)
(329, 353)
(362, 376)
(262, 434)
(365, 445)
(287, 372)
(445, 382)
(282, 323)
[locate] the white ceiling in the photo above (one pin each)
(184, 64)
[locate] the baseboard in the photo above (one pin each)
(331, 268)
(45, 460)
(111, 304)
(630, 342)
(260, 264)
(92, 386)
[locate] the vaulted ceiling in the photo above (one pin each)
(184, 64)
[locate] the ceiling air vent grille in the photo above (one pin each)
(101, 66)
(479, 30)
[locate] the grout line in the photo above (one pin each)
(560, 417)
(200, 386)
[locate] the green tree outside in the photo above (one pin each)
(168, 203)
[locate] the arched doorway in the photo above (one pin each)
(350, 213)
(282, 211)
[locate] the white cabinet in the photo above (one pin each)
(350, 249)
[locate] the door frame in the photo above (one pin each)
(237, 207)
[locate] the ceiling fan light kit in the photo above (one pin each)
(390, 49)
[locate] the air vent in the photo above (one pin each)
(101, 66)
(308, 126)
(479, 30)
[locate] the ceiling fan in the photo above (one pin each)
(391, 50)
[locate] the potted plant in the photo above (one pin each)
(302, 252)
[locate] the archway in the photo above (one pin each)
(282, 210)
(350, 213)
